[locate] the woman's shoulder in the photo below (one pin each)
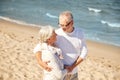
(40, 47)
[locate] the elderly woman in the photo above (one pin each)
(49, 56)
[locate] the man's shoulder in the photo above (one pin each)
(59, 31)
(78, 30)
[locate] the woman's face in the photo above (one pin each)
(53, 38)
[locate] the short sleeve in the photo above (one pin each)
(37, 48)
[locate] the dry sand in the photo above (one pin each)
(17, 61)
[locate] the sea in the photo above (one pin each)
(99, 19)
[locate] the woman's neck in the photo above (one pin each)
(51, 44)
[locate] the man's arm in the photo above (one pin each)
(83, 53)
(75, 64)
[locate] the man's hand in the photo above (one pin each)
(69, 68)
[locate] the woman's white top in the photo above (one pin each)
(51, 54)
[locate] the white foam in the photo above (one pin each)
(94, 10)
(110, 23)
(17, 21)
(50, 15)
(103, 22)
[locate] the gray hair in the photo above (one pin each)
(45, 33)
(67, 14)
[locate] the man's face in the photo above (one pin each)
(65, 24)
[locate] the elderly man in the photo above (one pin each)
(71, 41)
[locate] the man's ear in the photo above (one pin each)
(72, 22)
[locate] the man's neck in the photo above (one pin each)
(71, 30)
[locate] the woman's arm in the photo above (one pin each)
(44, 64)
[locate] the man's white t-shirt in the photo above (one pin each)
(72, 46)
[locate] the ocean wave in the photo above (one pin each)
(94, 10)
(110, 24)
(18, 22)
(50, 15)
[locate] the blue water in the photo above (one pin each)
(100, 19)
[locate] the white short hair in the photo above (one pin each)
(66, 14)
(45, 33)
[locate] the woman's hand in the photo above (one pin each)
(46, 66)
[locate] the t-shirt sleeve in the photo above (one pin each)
(83, 46)
(37, 48)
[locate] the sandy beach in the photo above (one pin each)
(17, 61)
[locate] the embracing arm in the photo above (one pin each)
(83, 53)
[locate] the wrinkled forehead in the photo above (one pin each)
(64, 19)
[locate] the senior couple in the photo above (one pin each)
(60, 51)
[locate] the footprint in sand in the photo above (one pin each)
(98, 76)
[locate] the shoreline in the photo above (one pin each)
(18, 62)
(110, 48)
